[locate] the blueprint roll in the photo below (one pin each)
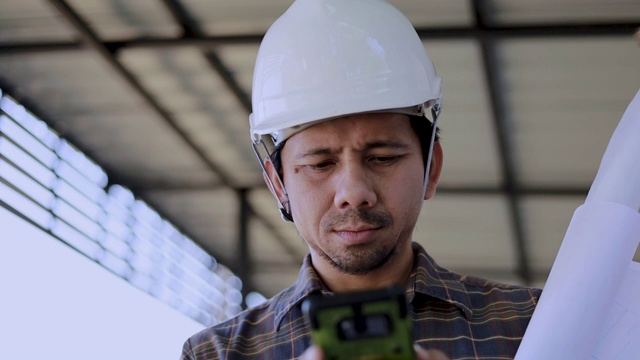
(594, 258)
(618, 179)
(587, 273)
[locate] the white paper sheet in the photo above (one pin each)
(580, 290)
(590, 306)
(620, 339)
(618, 179)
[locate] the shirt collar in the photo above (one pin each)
(308, 283)
(427, 278)
(430, 279)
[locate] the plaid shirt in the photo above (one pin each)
(465, 317)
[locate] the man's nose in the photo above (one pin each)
(354, 187)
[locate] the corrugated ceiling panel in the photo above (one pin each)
(145, 152)
(275, 266)
(266, 205)
(225, 17)
(552, 11)
(33, 20)
(436, 13)
(209, 216)
(468, 135)
(468, 233)
(240, 59)
(124, 19)
(250, 16)
(267, 251)
(270, 282)
(547, 220)
(183, 81)
(85, 101)
(277, 261)
(565, 98)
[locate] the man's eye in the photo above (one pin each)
(384, 159)
(320, 166)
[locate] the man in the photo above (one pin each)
(344, 89)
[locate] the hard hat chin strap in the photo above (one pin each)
(259, 147)
(286, 215)
(435, 113)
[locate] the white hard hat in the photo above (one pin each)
(328, 58)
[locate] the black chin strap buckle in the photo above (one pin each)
(286, 216)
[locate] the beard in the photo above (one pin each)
(356, 261)
(359, 259)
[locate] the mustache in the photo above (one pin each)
(376, 218)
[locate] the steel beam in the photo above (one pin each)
(567, 30)
(90, 39)
(192, 31)
(576, 191)
(244, 259)
(511, 185)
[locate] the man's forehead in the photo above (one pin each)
(367, 123)
(359, 132)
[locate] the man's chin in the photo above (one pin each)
(361, 263)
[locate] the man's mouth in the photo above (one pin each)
(357, 235)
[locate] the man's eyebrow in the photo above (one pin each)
(385, 144)
(368, 146)
(315, 152)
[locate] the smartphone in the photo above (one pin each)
(370, 325)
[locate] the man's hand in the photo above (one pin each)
(424, 354)
(315, 353)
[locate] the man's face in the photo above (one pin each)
(355, 189)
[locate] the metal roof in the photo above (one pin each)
(157, 92)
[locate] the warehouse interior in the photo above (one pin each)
(158, 94)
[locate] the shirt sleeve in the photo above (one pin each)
(201, 347)
(187, 351)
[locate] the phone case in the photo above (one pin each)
(370, 325)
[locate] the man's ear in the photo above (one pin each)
(434, 171)
(274, 183)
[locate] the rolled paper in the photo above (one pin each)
(587, 274)
(618, 179)
(596, 253)
(621, 339)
